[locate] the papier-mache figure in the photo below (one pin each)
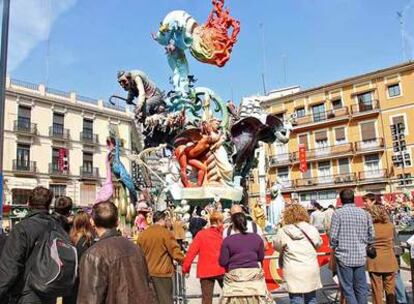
(141, 220)
(138, 85)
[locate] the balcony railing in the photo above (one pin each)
(364, 108)
(280, 159)
(89, 138)
(326, 152)
(369, 145)
(59, 133)
(24, 167)
(25, 127)
(89, 173)
(373, 175)
(56, 172)
(326, 180)
(322, 116)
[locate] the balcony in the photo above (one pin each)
(25, 128)
(326, 152)
(327, 181)
(24, 168)
(369, 146)
(89, 173)
(319, 119)
(373, 176)
(58, 133)
(280, 160)
(363, 109)
(54, 171)
(88, 138)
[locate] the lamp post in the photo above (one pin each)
(3, 72)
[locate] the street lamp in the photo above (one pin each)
(3, 72)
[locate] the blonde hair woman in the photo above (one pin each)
(383, 267)
(297, 242)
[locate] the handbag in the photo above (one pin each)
(371, 251)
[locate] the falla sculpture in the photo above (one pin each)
(208, 144)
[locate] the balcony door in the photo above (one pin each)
(365, 101)
(58, 124)
(88, 129)
(24, 118)
(372, 166)
(23, 157)
(321, 143)
(319, 112)
(283, 176)
(368, 135)
(282, 151)
(324, 172)
(87, 163)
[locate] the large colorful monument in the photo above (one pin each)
(205, 145)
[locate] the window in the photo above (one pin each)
(23, 117)
(87, 163)
(321, 139)
(365, 101)
(303, 140)
(300, 112)
(283, 174)
(337, 104)
(23, 157)
(319, 196)
(308, 173)
(318, 112)
(87, 194)
(372, 164)
(399, 120)
(20, 196)
(55, 159)
(394, 90)
(88, 129)
(340, 135)
(324, 172)
(368, 133)
(58, 190)
(58, 123)
(343, 164)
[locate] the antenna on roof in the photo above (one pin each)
(264, 58)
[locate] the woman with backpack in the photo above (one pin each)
(297, 242)
(82, 236)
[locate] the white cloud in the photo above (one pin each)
(30, 23)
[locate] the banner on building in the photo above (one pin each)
(63, 161)
(303, 164)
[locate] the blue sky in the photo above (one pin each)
(318, 40)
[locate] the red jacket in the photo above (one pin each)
(206, 245)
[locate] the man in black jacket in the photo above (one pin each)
(19, 245)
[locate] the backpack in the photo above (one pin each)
(53, 263)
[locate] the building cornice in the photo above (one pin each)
(269, 101)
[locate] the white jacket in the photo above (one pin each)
(300, 264)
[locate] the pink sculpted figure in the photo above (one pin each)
(107, 190)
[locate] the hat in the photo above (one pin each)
(142, 207)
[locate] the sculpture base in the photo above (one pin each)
(207, 194)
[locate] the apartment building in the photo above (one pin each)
(346, 128)
(58, 140)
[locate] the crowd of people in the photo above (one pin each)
(229, 250)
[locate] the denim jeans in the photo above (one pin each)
(353, 283)
(401, 296)
(303, 298)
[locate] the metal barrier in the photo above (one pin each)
(179, 289)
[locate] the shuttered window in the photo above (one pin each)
(321, 135)
(398, 119)
(368, 131)
(303, 140)
(87, 194)
(340, 134)
(343, 165)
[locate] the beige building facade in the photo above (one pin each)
(346, 127)
(58, 140)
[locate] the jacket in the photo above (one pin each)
(300, 263)
(113, 271)
(385, 260)
(160, 249)
(15, 257)
(206, 245)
